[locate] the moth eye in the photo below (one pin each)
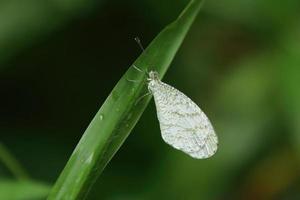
(152, 84)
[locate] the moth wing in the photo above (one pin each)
(183, 124)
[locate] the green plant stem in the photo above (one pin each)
(12, 164)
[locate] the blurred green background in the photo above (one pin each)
(59, 59)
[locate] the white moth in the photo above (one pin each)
(182, 123)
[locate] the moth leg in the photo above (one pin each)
(131, 80)
(141, 97)
(138, 69)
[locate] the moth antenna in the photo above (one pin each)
(138, 41)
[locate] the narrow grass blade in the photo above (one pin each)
(121, 111)
(12, 163)
(23, 189)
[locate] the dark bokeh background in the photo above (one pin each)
(240, 62)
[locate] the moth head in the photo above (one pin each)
(153, 76)
(153, 80)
